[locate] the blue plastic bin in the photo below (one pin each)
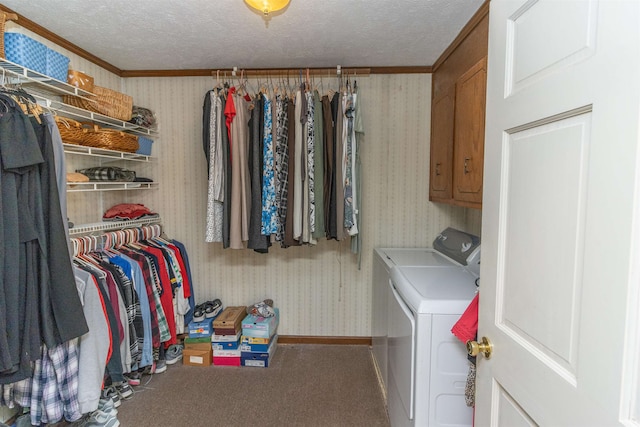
(57, 65)
(145, 145)
(25, 51)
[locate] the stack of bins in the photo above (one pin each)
(226, 335)
(259, 339)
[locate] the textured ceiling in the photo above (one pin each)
(210, 34)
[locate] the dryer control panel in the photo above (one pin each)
(460, 246)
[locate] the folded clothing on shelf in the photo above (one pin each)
(108, 173)
(127, 211)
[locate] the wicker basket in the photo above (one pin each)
(110, 139)
(71, 131)
(108, 102)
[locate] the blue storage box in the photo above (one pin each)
(201, 329)
(251, 344)
(259, 359)
(225, 345)
(57, 65)
(260, 327)
(25, 51)
(145, 146)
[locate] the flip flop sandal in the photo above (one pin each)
(212, 308)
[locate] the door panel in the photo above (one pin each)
(538, 50)
(541, 309)
(511, 414)
(559, 230)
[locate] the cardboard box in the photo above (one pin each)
(202, 343)
(225, 345)
(260, 360)
(226, 361)
(230, 319)
(257, 348)
(225, 338)
(227, 353)
(201, 329)
(228, 332)
(254, 340)
(196, 357)
(260, 327)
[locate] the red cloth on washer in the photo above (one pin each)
(466, 328)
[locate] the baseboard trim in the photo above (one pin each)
(306, 339)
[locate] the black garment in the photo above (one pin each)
(332, 224)
(22, 243)
(328, 149)
(64, 303)
(257, 241)
(206, 119)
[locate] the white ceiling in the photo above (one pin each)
(210, 34)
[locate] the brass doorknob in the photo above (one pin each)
(484, 346)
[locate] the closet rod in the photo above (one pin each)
(115, 225)
(321, 72)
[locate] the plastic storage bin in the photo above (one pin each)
(57, 65)
(145, 146)
(25, 51)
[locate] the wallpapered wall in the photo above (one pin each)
(320, 290)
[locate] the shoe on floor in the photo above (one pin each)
(173, 354)
(124, 390)
(133, 378)
(99, 418)
(107, 406)
(110, 392)
(161, 366)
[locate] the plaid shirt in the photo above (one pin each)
(52, 392)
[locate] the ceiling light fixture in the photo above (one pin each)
(267, 6)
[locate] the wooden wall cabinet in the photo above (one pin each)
(468, 135)
(458, 116)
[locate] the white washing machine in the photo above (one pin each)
(426, 365)
(384, 259)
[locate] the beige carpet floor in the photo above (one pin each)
(305, 385)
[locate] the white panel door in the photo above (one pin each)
(559, 281)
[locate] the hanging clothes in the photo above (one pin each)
(38, 306)
(257, 241)
(318, 182)
(293, 167)
(240, 185)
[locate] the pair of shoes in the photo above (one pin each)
(124, 390)
(133, 377)
(174, 354)
(262, 308)
(110, 392)
(207, 310)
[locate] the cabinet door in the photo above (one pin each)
(469, 134)
(442, 110)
